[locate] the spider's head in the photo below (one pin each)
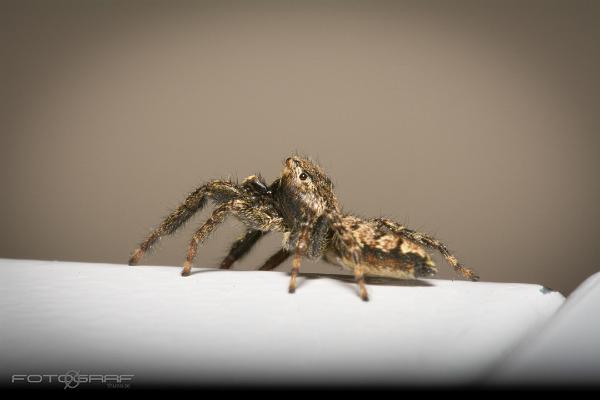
(306, 188)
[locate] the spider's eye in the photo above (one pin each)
(303, 176)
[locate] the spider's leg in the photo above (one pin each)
(351, 247)
(275, 260)
(360, 280)
(215, 219)
(351, 250)
(194, 202)
(428, 241)
(300, 250)
(241, 247)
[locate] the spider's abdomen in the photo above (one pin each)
(385, 253)
(396, 264)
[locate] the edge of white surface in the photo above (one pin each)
(565, 351)
(220, 326)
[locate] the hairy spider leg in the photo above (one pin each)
(359, 277)
(428, 241)
(194, 202)
(241, 247)
(350, 251)
(217, 217)
(275, 260)
(300, 250)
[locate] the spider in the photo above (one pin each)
(302, 205)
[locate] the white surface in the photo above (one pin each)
(243, 327)
(566, 350)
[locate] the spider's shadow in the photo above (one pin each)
(369, 280)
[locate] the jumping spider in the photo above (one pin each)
(302, 205)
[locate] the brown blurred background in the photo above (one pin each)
(475, 121)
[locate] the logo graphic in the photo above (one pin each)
(72, 379)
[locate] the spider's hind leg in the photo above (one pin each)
(359, 277)
(350, 250)
(428, 241)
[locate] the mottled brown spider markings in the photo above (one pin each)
(302, 205)
(378, 247)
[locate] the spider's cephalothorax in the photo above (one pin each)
(302, 205)
(304, 191)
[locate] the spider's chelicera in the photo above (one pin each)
(301, 204)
